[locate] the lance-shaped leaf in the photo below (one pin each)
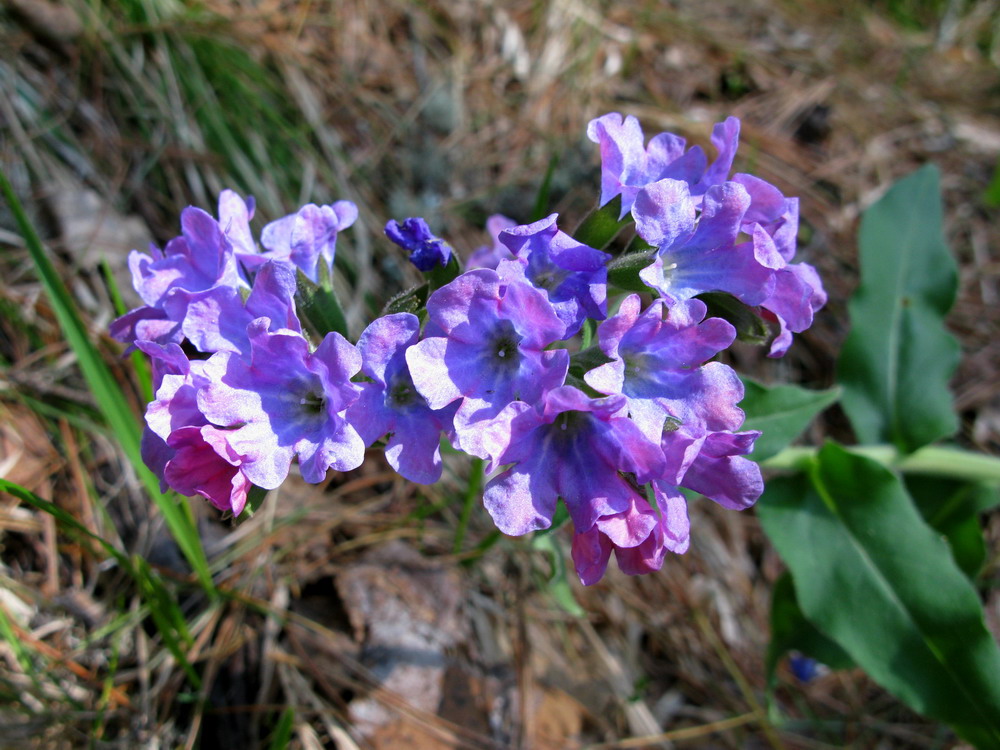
(898, 357)
(781, 413)
(871, 575)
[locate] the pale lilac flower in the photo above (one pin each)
(413, 235)
(283, 402)
(717, 467)
(627, 165)
(488, 256)
(187, 269)
(235, 214)
(391, 404)
(303, 238)
(218, 320)
(653, 535)
(204, 463)
(573, 275)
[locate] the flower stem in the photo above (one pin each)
(472, 492)
(947, 462)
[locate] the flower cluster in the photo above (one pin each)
(531, 359)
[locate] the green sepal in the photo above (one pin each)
(255, 498)
(318, 306)
(602, 225)
(623, 271)
(750, 327)
(411, 301)
(586, 360)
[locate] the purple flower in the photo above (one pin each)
(218, 320)
(714, 465)
(488, 256)
(697, 251)
(572, 274)
(659, 365)
(302, 238)
(284, 402)
(413, 235)
(234, 219)
(627, 165)
(573, 447)
(798, 291)
(391, 403)
(491, 351)
(187, 269)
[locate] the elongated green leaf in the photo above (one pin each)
(872, 576)
(108, 394)
(781, 413)
(558, 584)
(898, 358)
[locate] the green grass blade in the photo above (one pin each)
(163, 608)
(283, 732)
(108, 394)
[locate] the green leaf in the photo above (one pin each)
(558, 585)
(108, 394)
(883, 585)
(791, 631)
(898, 358)
(992, 194)
(952, 508)
(541, 209)
(781, 413)
(441, 275)
(602, 225)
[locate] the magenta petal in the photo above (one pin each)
(591, 552)
(631, 527)
(198, 468)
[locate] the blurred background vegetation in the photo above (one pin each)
(115, 114)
